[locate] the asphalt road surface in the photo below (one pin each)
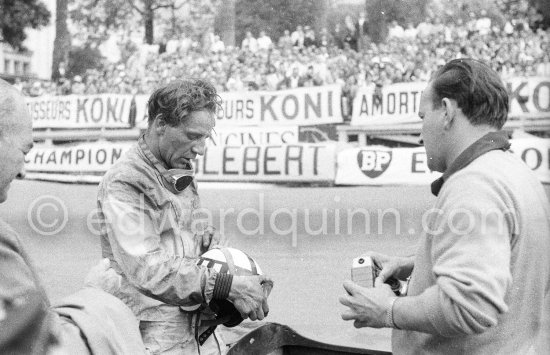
(304, 237)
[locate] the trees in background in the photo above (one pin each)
(275, 16)
(382, 12)
(224, 23)
(95, 20)
(82, 58)
(147, 9)
(62, 42)
(17, 15)
(543, 6)
(127, 23)
(92, 22)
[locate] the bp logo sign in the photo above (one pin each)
(373, 162)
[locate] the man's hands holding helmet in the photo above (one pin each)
(210, 238)
(249, 295)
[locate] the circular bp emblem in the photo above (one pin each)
(373, 162)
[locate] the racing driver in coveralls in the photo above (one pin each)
(152, 229)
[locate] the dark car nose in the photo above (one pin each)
(21, 174)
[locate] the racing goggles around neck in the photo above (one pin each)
(179, 179)
(176, 180)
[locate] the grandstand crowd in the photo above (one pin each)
(301, 58)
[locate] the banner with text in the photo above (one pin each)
(301, 107)
(535, 152)
(269, 163)
(391, 104)
(237, 136)
(80, 111)
(379, 165)
(251, 135)
(141, 111)
(529, 97)
(80, 158)
(281, 163)
(398, 103)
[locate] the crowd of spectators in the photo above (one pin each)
(343, 56)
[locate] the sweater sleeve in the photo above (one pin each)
(470, 245)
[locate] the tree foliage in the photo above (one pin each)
(224, 22)
(82, 59)
(382, 12)
(147, 10)
(62, 43)
(17, 15)
(95, 20)
(275, 16)
(543, 6)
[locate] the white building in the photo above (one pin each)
(14, 63)
(37, 61)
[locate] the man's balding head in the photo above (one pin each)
(15, 136)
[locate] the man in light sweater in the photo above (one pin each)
(480, 280)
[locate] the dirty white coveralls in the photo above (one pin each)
(146, 233)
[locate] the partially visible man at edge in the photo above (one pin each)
(480, 279)
(90, 321)
(153, 229)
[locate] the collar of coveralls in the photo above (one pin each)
(171, 177)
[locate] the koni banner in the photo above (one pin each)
(373, 105)
(80, 111)
(529, 97)
(299, 107)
